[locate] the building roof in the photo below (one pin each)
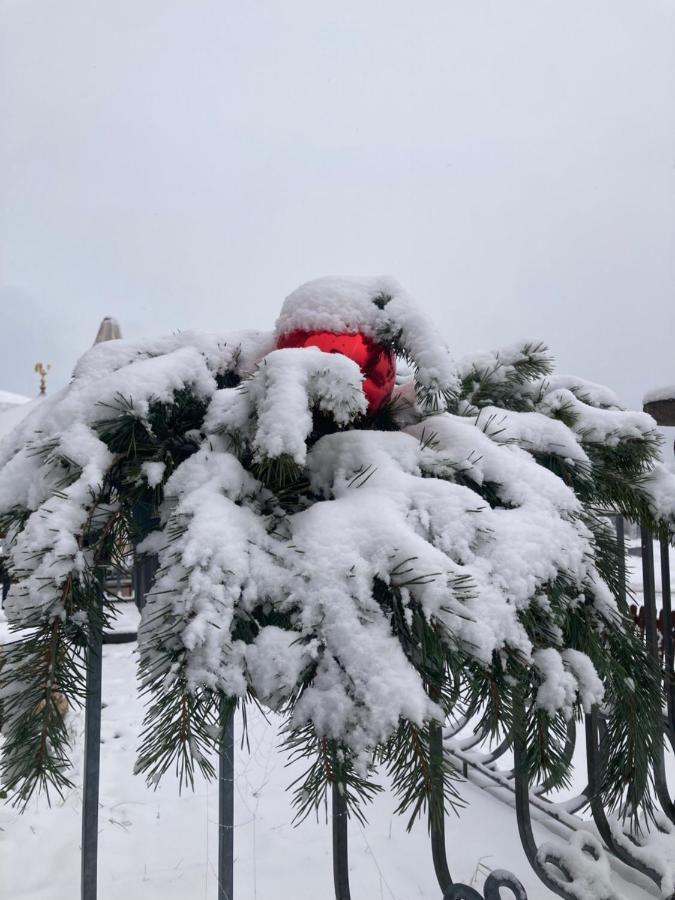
(8, 400)
(11, 415)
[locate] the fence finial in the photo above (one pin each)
(109, 330)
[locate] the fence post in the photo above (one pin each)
(340, 844)
(437, 821)
(621, 552)
(666, 605)
(226, 804)
(92, 758)
(649, 592)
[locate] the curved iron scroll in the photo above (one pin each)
(594, 763)
(492, 889)
(451, 891)
(522, 793)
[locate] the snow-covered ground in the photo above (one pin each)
(157, 845)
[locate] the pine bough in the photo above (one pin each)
(365, 576)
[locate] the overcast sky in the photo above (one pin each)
(187, 164)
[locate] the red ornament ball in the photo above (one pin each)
(377, 363)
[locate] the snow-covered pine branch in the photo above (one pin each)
(346, 568)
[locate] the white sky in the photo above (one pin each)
(187, 164)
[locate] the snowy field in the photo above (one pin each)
(157, 845)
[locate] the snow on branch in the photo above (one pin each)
(394, 556)
(380, 308)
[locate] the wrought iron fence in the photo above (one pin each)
(550, 866)
(460, 742)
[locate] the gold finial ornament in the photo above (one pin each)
(41, 370)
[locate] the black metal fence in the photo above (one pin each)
(550, 866)
(460, 742)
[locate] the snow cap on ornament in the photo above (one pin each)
(369, 320)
